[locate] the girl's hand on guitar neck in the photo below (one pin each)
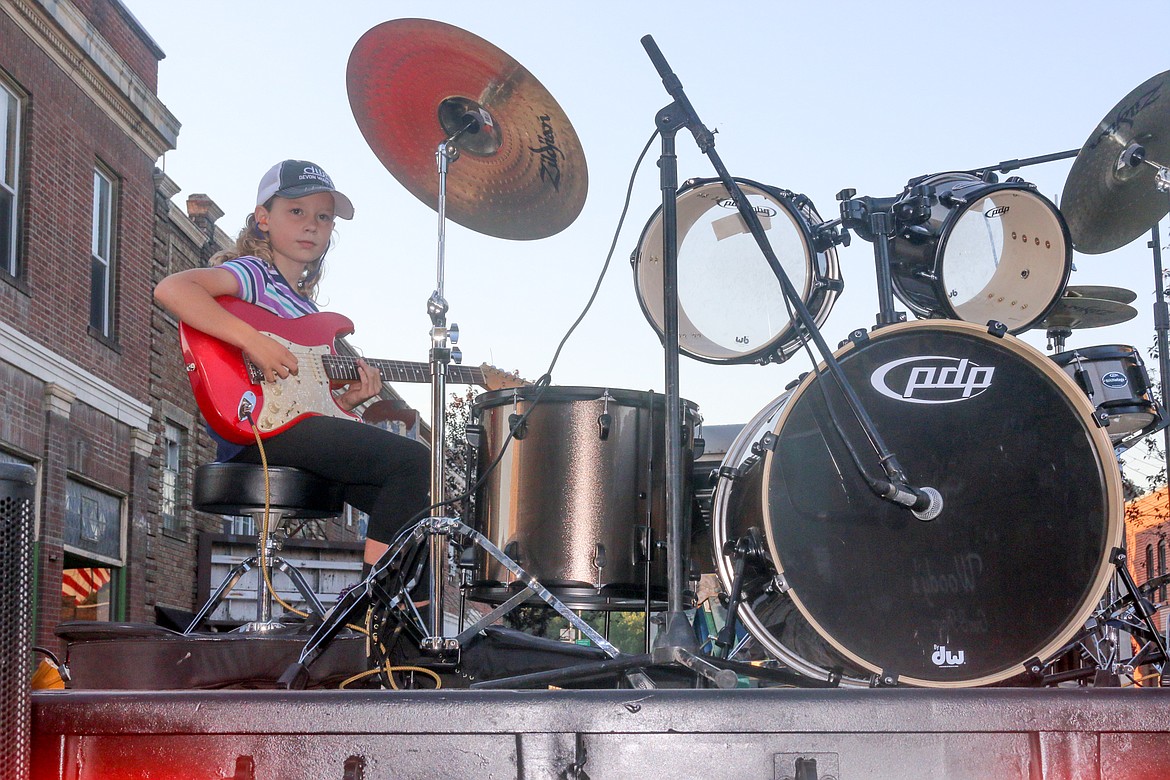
(368, 385)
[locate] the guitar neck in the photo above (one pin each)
(343, 368)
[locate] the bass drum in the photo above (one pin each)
(857, 586)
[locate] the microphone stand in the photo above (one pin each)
(680, 114)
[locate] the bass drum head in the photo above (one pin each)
(1019, 556)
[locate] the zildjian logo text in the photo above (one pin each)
(550, 155)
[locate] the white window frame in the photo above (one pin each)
(172, 469)
(102, 250)
(11, 118)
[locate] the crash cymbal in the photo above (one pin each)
(414, 82)
(1117, 294)
(1107, 201)
(1081, 313)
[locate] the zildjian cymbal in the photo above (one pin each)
(1110, 197)
(1081, 313)
(1118, 294)
(520, 172)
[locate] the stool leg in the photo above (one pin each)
(298, 579)
(225, 587)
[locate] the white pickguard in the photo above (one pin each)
(304, 392)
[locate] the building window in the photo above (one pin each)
(1161, 567)
(101, 280)
(86, 591)
(10, 116)
(171, 469)
(240, 525)
(93, 522)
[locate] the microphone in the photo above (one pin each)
(926, 503)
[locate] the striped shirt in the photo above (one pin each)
(263, 285)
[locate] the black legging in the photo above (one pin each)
(385, 475)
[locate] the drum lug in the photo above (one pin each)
(518, 426)
(780, 583)
(1033, 668)
(604, 423)
(996, 328)
(767, 443)
(858, 337)
(884, 680)
(472, 434)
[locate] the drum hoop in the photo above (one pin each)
(562, 393)
(1099, 352)
(815, 284)
(1101, 445)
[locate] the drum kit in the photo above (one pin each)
(984, 552)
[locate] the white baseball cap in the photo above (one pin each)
(298, 178)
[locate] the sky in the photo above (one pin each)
(808, 97)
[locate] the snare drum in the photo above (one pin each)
(579, 498)
(988, 252)
(1114, 378)
(731, 308)
(858, 587)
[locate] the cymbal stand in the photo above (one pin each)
(440, 355)
(1133, 156)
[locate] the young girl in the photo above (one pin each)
(276, 264)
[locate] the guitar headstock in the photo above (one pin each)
(499, 379)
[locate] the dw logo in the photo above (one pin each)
(944, 658)
(931, 379)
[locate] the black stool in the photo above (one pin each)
(238, 489)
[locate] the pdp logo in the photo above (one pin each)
(932, 379)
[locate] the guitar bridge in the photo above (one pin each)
(255, 375)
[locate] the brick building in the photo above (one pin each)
(1147, 534)
(94, 396)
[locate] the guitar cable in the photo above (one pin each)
(265, 530)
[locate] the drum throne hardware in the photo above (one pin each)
(522, 176)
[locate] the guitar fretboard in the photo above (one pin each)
(343, 368)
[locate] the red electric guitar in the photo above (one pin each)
(228, 387)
